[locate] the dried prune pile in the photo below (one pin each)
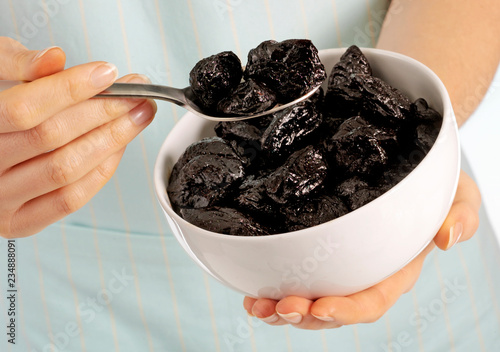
(276, 72)
(307, 164)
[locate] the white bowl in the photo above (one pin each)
(350, 253)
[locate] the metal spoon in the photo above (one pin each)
(182, 97)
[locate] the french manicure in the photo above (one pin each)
(270, 319)
(455, 234)
(104, 75)
(293, 318)
(43, 52)
(324, 318)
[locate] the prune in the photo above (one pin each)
(424, 113)
(204, 180)
(352, 62)
(249, 97)
(243, 136)
(350, 186)
(215, 146)
(363, 196)
(359, 148)
(312, 212)
(253, 197)
(383, 101)
(238, 131)
(214, 77)
(224, 220)
(372, 97)
(310, 163)
(303, 172)
(290, 128)
(291, 68)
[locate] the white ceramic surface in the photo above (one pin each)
(347, 254)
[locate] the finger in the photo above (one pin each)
(27, 105)
(20, 64)
(66, 165)
(369, 305)
(296, 311)
(16, 147)
(463, 219)
(265, 310)
(40, 212)
(248, 303)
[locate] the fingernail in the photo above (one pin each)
(139, 79)
(104, 75)
(293, 318)
(455, 234)
(43, 52)
(270, 319)
(142, 113)
(324, 318)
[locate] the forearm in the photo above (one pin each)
(458, 39)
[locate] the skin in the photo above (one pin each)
(465, 55)
(72, 144)
(58, 147)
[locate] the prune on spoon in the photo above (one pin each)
(224, 220)
(290, 128)
(312, 212)
(291, 68)
(215, 77)
(249, 97)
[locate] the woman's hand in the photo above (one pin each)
(58, 147)
(369, 305)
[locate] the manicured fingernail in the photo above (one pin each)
(43, 52)
(292, 318)
(104, 75)
(139, 79)
(455, 234)
(270, 319)
(324, 318)
(142, 113)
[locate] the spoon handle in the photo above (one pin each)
(139, 90)
(129, 90)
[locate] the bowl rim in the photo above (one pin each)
(447, 114)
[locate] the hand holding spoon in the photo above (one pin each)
(182, 97)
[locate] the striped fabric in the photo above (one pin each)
(111, 277)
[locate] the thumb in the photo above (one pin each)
(20, 64)
(463, 219)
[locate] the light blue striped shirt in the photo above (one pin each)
(111, 277)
